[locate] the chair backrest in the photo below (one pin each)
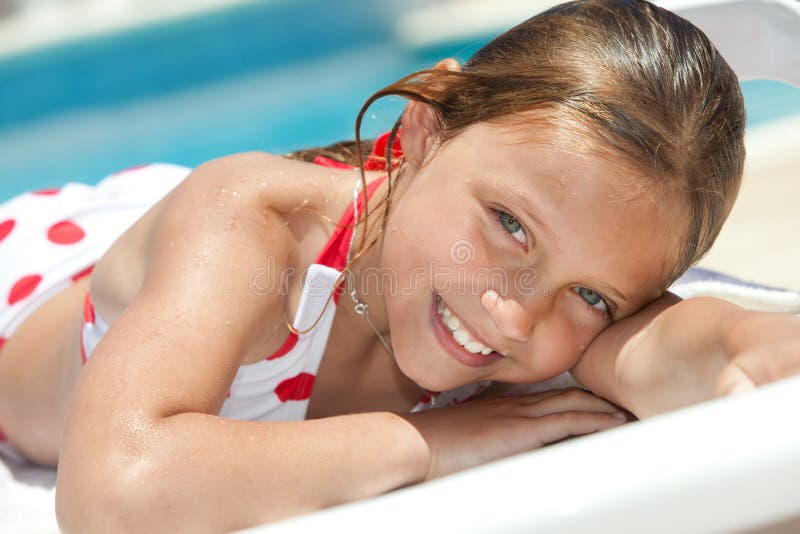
(758, 38)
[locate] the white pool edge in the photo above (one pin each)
(723, 466)
(67, 22)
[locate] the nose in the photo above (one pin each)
(510, 318)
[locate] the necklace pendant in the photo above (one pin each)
(360, 308)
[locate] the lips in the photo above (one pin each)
(452, 347)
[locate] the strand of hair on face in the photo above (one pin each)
(365, 212)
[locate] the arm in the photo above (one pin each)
(675, 353)
(145, 450)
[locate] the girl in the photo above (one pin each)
(235, 358)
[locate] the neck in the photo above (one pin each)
(366, 364)
(367, 272)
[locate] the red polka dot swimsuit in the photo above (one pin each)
(53, 237)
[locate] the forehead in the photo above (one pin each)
(606, 221)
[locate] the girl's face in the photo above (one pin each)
(570, 242)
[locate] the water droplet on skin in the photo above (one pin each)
(236, 193)
(263, 184)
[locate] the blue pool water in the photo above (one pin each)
(273, 76)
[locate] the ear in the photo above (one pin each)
(420, 129)
(421, 125)
(448, 64)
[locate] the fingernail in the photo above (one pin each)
(492, 294)
(620, 415)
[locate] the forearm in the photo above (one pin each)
(197, 472)
(677, 359)
(600, 367)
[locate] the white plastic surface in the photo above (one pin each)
(724, 466)
(759, 38)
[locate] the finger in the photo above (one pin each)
(570, 400)
(508, 316)
(733, 381)
(775, 357)
(770, 362)
(557, 426)
(533, 398)
(760, 366)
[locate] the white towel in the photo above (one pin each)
(699, 282)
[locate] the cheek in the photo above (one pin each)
(558, 343)
(446, 253)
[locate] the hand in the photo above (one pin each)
(764, 347)
(487, 429)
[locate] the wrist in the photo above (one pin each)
(376, 452)
(749, 328)
(414, 453)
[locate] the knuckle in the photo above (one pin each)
(570, 417)
(516, 402)
(574, 393)
(502, 402)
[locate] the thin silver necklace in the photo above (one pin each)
(361, 308)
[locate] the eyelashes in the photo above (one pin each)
(593, 300)
(513, 227)
(514, 230)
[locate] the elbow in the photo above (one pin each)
(111, 495)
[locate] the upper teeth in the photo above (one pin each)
(460, 334)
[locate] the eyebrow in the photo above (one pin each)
(620, 296)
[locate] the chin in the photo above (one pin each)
(424, 376)
(422, 360)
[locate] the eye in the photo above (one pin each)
(593, 299)
(511, 225)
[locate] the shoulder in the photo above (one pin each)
(266, 180)
(229, 217)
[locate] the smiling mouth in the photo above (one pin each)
(457, 340)
(460, 334)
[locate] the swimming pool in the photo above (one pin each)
(273, 76)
